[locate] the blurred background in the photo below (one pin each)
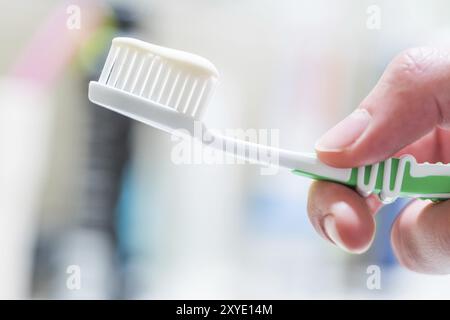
(91, 205)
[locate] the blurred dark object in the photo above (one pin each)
(91, 241)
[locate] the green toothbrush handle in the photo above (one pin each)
(397, 177)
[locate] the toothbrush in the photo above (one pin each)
(170, 90)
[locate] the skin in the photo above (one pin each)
(408, 112)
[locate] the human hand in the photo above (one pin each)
(408, 112)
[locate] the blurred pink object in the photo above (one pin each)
(55, 43)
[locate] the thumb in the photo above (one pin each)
(411, 98)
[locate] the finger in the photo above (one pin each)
(426, 149)
(433, 147)
(410, 100)
(341, 216)
(421, 237)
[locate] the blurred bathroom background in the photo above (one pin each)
(87, 195)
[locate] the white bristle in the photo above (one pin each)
(126, 70)
(143, 84)
(151, 72)
(172, 89)
(163, 87)
(154, 80)
(181, 92)
(204, 99)
(108, 64)
(117, 67)
(160, 75)
(199, 96)
(191, 97)
(132, 72)
(140, 65)
(159, 87)
(167, 87)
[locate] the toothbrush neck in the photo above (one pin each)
(254, 152)
(273, 156)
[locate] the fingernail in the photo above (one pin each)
(345, 133)
(329, 226)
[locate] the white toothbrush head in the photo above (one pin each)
(166, 88)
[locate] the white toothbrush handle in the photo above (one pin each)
(267, 155)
